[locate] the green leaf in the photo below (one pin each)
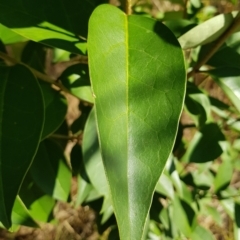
(8, 36)
(205, 145)
(38, 204)
(200, 233)
(76, 79)
(206, 32)
(58, 24)
(228, 79)
(84, 189)
(56, 179)
(139, 90)
(237, 214)
(224, 176)
(179, 26)
(227, 56)
(42, 208)
(55, 109)
(184, 216)
(21, 215)
(92, 156)
(22, 118)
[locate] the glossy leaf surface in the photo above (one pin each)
(138, 78)
(22, 118)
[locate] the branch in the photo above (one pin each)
(219, 42)
(127, 6)
(37, 74)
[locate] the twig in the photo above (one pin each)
(217, 45)
(64, 137)
(127, 6)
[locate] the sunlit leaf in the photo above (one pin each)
(207, 31)
(139, 90)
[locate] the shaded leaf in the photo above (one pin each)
(55, 109)
(180, 26)
(237, 214)
(138, 101)
(22, 118)
(56, 179)
(227, 56)
(79, 123)
(40, 21)
(205, 145)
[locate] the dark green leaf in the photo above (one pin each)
(76, 158)
(227, 56)
(58, 24)
(139, 90)
(22, 118)
(237, 214)
(56, 179)
(180, 26)
(55, 109)
(205, 145)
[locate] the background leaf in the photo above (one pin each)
(22, 118)
(229, 80)
(57, 177)
(40, 21)
(206, 32)
(205, 145)
(55, 109)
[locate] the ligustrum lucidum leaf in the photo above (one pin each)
(138, 79)
(21, 124)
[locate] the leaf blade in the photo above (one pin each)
(127, 122)
(22, 118)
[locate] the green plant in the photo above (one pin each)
(133, 70)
